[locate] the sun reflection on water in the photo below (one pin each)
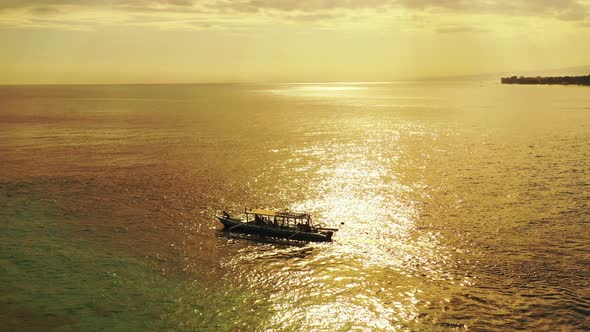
(321, 90)
(373, 275)
(362, 173)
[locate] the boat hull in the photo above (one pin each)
(239, 226)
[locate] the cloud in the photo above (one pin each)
(91, 14)
(312, 17)
(303, 5)
(546, 8)
(94, 4)
(45, 11)
(560, 9)
(460, 29)
(517, 7)
(228, 12)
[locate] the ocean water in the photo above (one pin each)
(461, 206)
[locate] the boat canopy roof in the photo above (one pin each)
(284, 214)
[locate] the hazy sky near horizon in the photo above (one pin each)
(160, 41)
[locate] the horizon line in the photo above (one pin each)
(376, 82)
(458, 77)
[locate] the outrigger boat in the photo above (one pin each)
(277, 224)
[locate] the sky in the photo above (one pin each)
(213, 41)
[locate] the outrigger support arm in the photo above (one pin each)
(238, 225)
(327, 229)
(289, 238)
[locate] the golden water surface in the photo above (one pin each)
(461, 205)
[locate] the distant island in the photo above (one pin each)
(576, 80)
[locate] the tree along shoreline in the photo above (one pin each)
(567, 80)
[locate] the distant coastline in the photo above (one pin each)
(566, 80)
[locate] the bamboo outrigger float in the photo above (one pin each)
(277, 224)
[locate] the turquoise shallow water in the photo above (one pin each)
(465, 206)
(53, 281)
